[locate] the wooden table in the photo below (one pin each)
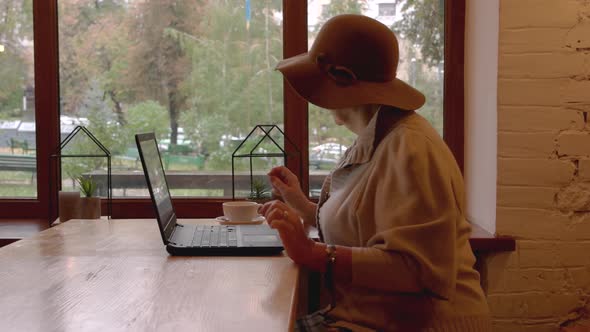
(116, 276)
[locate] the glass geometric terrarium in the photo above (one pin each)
(265, 147)
(81, 155)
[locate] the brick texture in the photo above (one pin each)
(579, 36)
(543, 92)
(575, 92)
(554, 255)
(578, 228)
(502, 325)
(584, 170)
(574, 144)
(543, 65)
(501, 260)
(531, 223)
(527, 197)
(575, 197)
(535, 40)
(532, 304)
(531, 92)
(538, 254)
(543, 181)
(535, 172)
(538, 13)
(527, 280)
(580, 278)
(523, 145)
(532, 119)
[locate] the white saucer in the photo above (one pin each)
(223, 220)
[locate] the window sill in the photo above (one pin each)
(484, 241)
(12, 230)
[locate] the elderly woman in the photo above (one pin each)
(395, 242)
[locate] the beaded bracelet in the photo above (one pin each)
(329, 281)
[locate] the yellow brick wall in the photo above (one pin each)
(543, 183)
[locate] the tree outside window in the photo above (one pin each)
(199, 73)
(17, 109)
(387, 9)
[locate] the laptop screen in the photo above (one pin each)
(156, 180)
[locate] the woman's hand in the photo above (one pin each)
(286, 185)
(288, 223)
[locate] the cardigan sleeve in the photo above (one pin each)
(412, 211)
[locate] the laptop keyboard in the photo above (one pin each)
(215, 236)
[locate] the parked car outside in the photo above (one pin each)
(333, 148)
(326, 156)
(323, 161)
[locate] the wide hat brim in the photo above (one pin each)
(318, 88)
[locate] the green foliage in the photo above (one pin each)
(17, 21)
(12, 71)
(338, 7)
(94, 45)
(433, 108)
(426, 75)
(204, 129)
(212, 74)
(219, 160)
(324, 129)
(232, 85)
(159, 65)
(87, 185)
(233, 74)
(102, 123)
(156, 65)
(259, 191)
(423, 24)
(16, 25)
(147, 116)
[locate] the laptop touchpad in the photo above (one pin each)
(259, 235)
(261, 238)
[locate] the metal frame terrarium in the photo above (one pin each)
(57, 158)
(251, 148)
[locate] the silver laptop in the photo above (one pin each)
(193, 240)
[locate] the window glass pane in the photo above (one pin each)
(200, 74)
(18, 178)
(387, 9)
(419, 28)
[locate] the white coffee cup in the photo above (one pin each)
(240, 211)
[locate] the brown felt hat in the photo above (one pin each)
(353, 61)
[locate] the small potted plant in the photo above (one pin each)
(89, 205)
(260, 192)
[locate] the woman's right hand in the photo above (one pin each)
(286, 185)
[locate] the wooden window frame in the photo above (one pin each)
(295, 110)
(46, 112)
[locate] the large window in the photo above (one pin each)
(18, 170)
(200, 75)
